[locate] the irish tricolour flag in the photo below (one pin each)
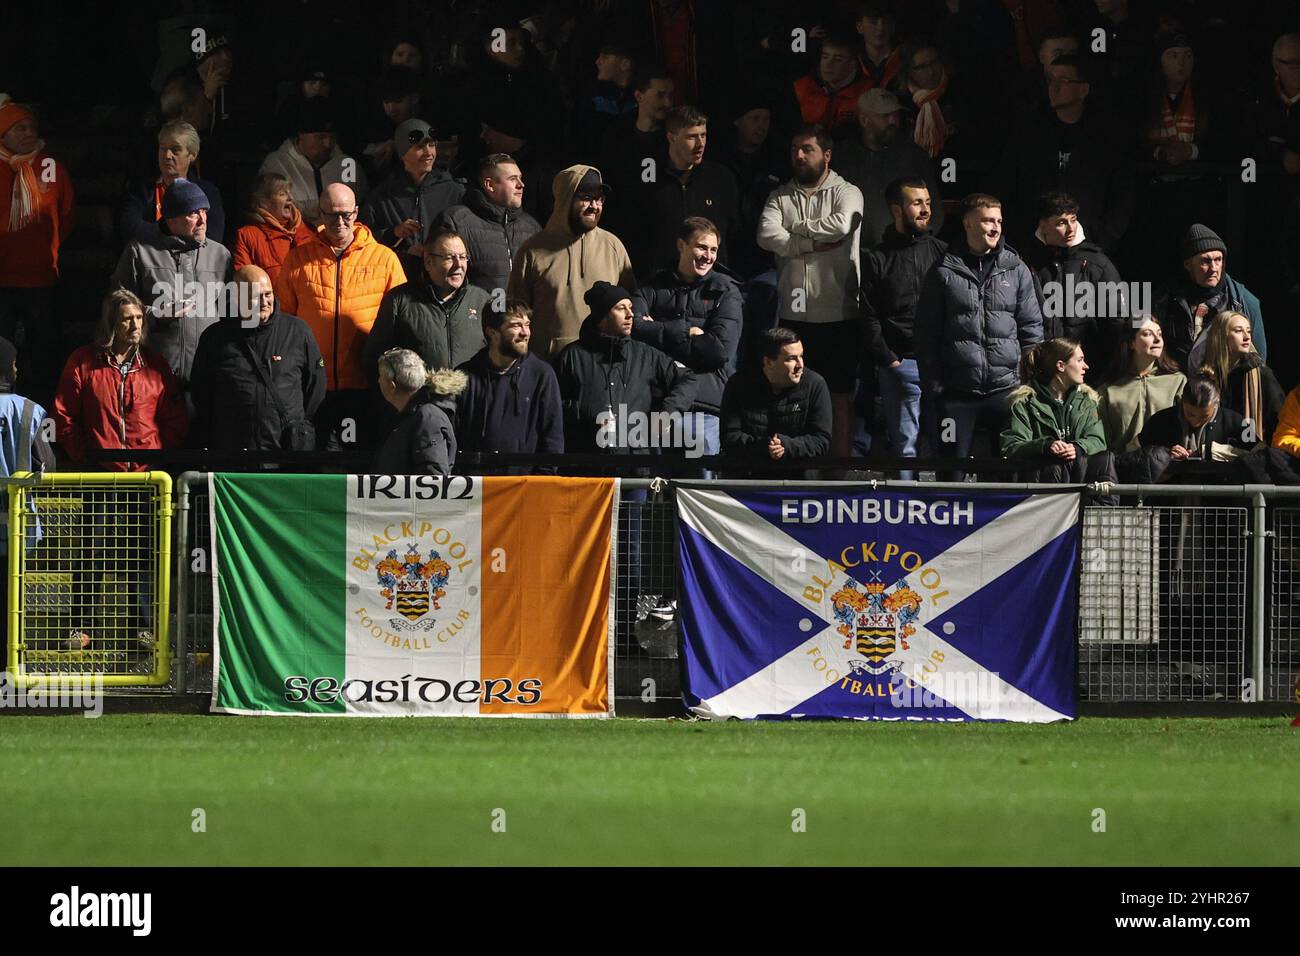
(412, 595)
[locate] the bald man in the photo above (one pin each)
(258, 376)
(335, 284)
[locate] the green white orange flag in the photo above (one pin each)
(393, 595)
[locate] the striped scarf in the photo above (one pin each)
(25, 204)
(1253, 396)
(931, 128)
(1178, 127)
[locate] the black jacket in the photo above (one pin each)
(445, 334)
(422, 441)
(891, 285)
(600, 373)
(1165, 429)
(675, 307)
(752, 414)
(1091, 160)
(970, 332)
(1271, 393)
(1059, 296)
(517, 411)
(399, 199)
(709, 192)
(492, 234)
(233, 409)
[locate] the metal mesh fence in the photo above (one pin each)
(89, 579)
(1163, 604)
(197, 586)
(1282, 660)
(645, 603)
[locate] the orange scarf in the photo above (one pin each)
(1178, 127)
(931, 127)
(271, 219)
(25, 203)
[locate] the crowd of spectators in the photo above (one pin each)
(771, 231)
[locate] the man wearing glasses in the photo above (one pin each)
(1072, 148)
(335, 284)
(402, 210)
(555, 268)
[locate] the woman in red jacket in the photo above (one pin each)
(116, 393)
(276, 227)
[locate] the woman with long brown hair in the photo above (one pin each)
(1141, 381)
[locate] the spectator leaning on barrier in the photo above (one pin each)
(1198, 427)
(1054, 420)
(1078, 287)
(116, 392)
(811, 224)
(1141, 381)
(692, 313)
(610, 383)
(182, 272)
(311, 160)
(555, 269)
(892, 277)
(336, 284)
(1185, 306)
(1247, 385)
(402, 210)
(976, 317)
(422, 441)
(277, 226)
(257, 380)
(37, 211)
(178, 150)
(439, 315)
(492, 222)
(511, 402)
(779, 411)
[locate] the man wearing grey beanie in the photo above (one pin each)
(1186, 305)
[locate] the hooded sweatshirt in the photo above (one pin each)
(514, 412)
(555, 268)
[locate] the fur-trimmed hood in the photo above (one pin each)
(1025, 391)
(447, 381)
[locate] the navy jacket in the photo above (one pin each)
(514, 412)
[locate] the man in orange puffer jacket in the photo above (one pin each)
(335, 284)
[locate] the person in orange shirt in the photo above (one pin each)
(829, 95)
(275, 226)
(37, 206)
(335, 284)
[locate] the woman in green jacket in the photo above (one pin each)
(1143, 380)
(1054, 423)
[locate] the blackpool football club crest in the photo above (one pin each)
(412, 586)
(875, 623)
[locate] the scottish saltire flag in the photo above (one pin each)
(879, 605)
(394, 595)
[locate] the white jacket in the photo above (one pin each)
(792, 221)
(287, 161)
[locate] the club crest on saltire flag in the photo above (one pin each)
(879, 605)
(412, 595)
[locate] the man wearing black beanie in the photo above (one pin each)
(1186, 305)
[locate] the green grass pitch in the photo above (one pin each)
(121, 790)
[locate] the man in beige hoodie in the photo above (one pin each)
(554, 268)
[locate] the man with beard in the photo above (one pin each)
(891, 284)
(882, 155)
(554, 269)
(1185, 307)
(977, 314)
(492, 221)
(511, 403)
(811, 224)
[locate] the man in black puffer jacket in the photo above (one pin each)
(778, 411)
(693, 315)
(977, 313)
(1092, 307)
(234, 406)
(610, 383)
(892, 276)
(492, 222)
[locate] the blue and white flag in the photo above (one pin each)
(922, 605)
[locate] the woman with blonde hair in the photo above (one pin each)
(1247, 385)
(1143, 379)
